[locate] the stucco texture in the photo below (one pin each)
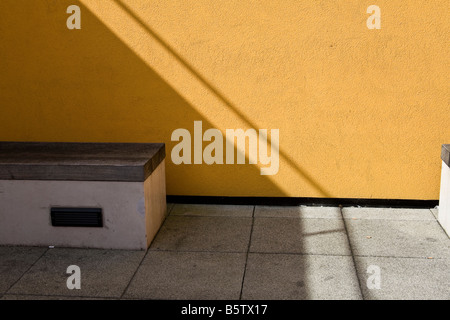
(361, 113)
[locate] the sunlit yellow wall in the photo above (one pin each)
(361, 113)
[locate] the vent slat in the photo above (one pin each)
(76, 217)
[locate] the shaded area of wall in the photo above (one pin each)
(361, 113)
(71, 86)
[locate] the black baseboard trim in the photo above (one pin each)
(295, 201)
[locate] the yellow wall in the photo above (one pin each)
(361, 113)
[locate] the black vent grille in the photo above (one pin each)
(76, 217)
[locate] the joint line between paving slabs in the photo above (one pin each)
(351, 252)
(134, 274)
(248, 251)
(26, 271)
(146, 253)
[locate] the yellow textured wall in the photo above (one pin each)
(361, 113)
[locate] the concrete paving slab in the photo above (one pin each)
(188, 275)
(398, 238)
(170, 207)
(405, 278)
(298, 277)
(14, 262)
(435, 212)
(18, 256)
(9, 275)
(104, 273)
(209, 210)
(298, 212)
(294, 235)
(293, 255)
(224, 234)
(387, 213)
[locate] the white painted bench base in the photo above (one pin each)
(132, 212)
(444, 199)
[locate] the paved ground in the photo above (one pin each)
(248, 252)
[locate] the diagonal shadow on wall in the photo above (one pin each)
(87, 85)
(61, 85)
(300, 171)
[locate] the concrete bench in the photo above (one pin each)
(95, 195)
(444, 197)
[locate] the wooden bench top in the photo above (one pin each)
(79, 161)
